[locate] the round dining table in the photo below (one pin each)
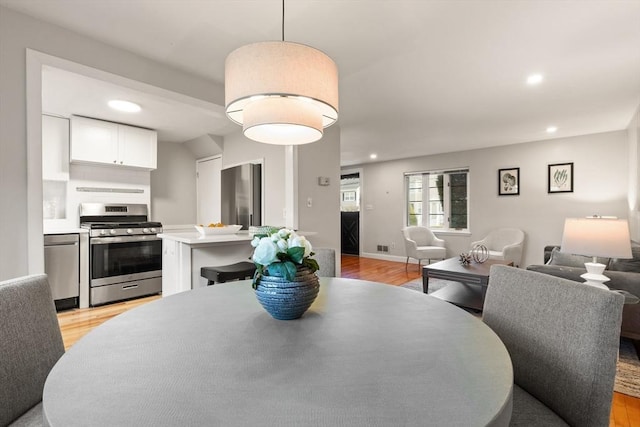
(364, 354)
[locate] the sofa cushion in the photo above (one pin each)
(570, 260)
(633, 264)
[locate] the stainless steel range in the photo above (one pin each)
(125, 253)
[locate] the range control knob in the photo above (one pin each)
(112, 231)
(129, 231)
(145, 230)
(153, 230)
(102, 232)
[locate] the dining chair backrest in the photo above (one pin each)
(30, 343)
(563, 339)
(326, 258)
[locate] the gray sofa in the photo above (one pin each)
(624, 275)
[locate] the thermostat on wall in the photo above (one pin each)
(323, 180)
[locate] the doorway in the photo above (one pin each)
(350, 190)
(208, 189)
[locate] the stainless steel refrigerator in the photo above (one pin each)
(241, 195)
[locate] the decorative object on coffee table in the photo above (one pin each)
(480, 253)
(465, 258)
(285, 282)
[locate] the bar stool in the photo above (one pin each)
(222, 273)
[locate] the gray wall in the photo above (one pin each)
(316, 160)
(173, 185)
(600, 187)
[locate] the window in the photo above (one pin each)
(350, 192)
(349, 196)
(438, 200)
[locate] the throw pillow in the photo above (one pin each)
(633, 264)
(570, 260)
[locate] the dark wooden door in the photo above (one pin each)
(350, 225)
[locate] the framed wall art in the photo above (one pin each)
(560, 178)
(509, 182)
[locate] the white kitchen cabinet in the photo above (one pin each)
(107, 143)
(137, 147)
(55, 148)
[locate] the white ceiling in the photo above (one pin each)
(416, 77)
(65, 93)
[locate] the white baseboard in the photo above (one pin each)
(395, 258)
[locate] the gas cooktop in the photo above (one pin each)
(110, 225)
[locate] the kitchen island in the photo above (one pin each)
(185, 252)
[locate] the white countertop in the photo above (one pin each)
(195, 238)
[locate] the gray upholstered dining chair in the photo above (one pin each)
(420, 243)
(30, 344)
(326, 258)
(563, 339)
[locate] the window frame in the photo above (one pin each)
(446, 200)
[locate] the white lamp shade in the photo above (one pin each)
(280, 69)
(282, 121)
(597, 237)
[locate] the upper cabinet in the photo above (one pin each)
(107, 143)
(55, 148)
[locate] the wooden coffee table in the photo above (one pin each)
(468, 283)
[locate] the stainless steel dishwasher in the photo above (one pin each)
(62, 266)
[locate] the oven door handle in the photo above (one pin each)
(121, 239)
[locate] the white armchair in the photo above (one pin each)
(504, 244)
(420, 243)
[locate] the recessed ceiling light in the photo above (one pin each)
(125, 106)
(552, 129)
(534, 79)
(373, 156)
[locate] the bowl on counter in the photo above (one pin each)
(212, 231)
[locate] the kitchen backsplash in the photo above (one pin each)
(88, 184)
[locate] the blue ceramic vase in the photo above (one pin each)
(284, 299)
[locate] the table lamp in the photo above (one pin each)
(596, 236)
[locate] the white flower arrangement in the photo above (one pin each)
(279, 252)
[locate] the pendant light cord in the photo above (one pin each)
(282, 20)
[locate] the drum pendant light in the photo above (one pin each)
(281, 92)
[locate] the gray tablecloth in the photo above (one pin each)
(365, 354)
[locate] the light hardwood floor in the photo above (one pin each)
(76, 323)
